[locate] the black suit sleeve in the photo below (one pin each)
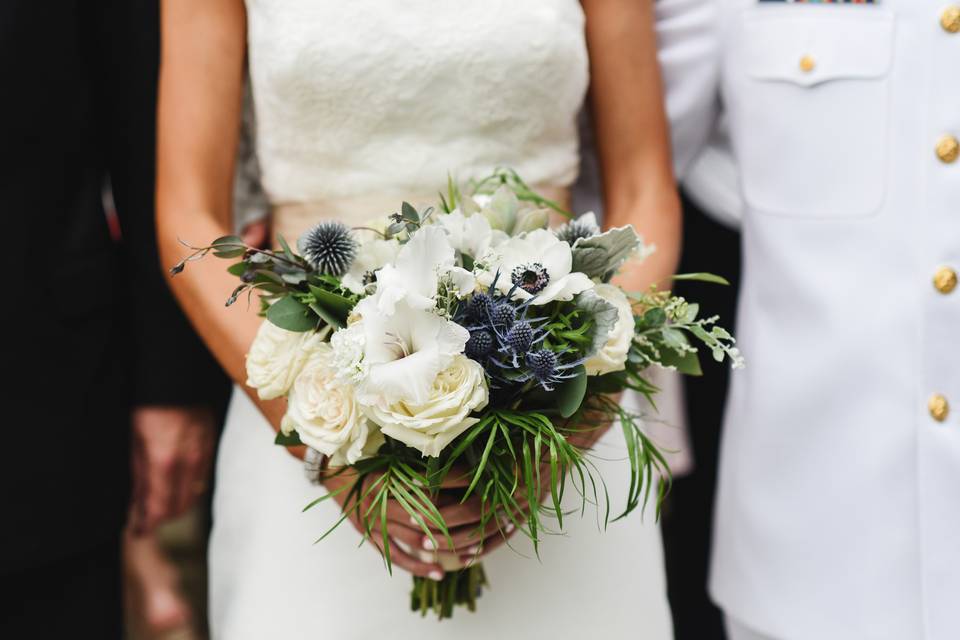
(171, 364)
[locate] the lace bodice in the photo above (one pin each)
(363, 96)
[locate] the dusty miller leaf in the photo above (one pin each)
(603, 314)
(600, 256)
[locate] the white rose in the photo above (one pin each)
(324, 413)
(430, 426)
(613, 355)
(277, 356)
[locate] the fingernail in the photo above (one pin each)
(414, 521)
(436, 576)
(510, 527)
(429, 544)
(473, 550)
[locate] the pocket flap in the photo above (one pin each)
(816, 44)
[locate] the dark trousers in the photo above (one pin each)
(688, 512)
(78, 596)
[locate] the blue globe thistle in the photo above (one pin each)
(520, 337)
(329, 247)
(531, 277)
(582, 227)
(479, 306)
(543, 365)
(479, 344)
(503, 315)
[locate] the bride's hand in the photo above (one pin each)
(409, 546)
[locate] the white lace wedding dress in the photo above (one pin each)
(360, 103)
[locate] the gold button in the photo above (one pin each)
(945, 280)
(950, 19)
(939, 407)
(807, 64)
(948, 148)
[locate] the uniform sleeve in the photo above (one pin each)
(689, 44)
(171, 364)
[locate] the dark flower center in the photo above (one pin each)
(532, 277)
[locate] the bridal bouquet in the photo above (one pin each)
(467, 338)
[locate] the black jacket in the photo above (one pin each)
(90, 326)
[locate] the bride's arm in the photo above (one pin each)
(632, 136)
(198, 120)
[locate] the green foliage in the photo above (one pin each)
(291, 439)
(290, 314)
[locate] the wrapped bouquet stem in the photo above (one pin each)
(464, 354)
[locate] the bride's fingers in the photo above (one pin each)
(406, 561)
(465, 538)
(490, 544)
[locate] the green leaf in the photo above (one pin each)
(289, 314)
(237, 269)
(654, 317)
(570, 394)
(285, 247)
(226, 240)
(229, 253)
(687, 364)
(287, 440)
(409, 212)
(335, 304)
(327, 317)
(702, 277)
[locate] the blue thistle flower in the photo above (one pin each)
(330, 247)
(503, 315)
(543, 364)
(479, 344)
(582, 227)
(520, 337)
(479, 306)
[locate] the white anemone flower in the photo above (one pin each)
(404, 351)
(538, 264)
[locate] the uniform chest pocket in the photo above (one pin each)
(810, 109)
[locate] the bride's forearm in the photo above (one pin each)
(198, 120)
(632, 133)
(202, 289)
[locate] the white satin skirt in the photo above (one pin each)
(269, 580)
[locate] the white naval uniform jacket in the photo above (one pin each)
(838, 514)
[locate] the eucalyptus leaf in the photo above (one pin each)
(702, 277)
(288, 313)
(237, 269)
(226, 240)
(600, 256)
(409, 212)
(570, 394)
(688, 363)
(229, 253)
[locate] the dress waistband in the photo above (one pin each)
(291, 219)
